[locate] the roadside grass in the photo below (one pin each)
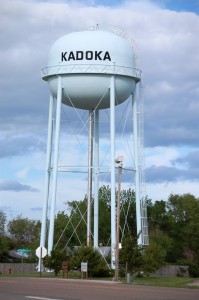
(72, 275)
(180, 282)
(177, 282)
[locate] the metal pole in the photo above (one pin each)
(96, 182)
(47, 177)
(55, 165)
(40, 260)
(112, 137)
(90, 165)
(137, 170)
(118, 222)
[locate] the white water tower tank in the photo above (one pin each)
(86, 61)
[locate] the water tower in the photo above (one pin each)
(91, 70)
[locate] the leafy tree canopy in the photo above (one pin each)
(23, 231)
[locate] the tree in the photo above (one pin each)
(183, 213)
(128, 213)
(5, 242)
(163, 240)
(174, 227)
(158, 216)
(63, 230)
(153, 258)
(141, 260)
(96, 263)
(5, 246)
(131, 254)
(2, 223)
(70, 227)
(104, 215)
(78, 217)
(24, 232)
(55, 259)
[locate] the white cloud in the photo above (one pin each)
(161, 191)
(21, 174)
(160, 156)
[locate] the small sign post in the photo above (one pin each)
(41, 252)
(84, 269)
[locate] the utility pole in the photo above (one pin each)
(119, 160)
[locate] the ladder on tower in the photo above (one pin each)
(143, 202)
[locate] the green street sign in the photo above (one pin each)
(23, 250)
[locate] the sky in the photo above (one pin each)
(166, 37)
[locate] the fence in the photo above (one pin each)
(13, 268)
(172, 271)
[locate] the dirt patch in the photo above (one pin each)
(194, 283)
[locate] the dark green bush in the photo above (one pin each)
(193, 270)
(105, 272)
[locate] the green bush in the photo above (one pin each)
(55, 259)
(193, 269)
(105, 272)
(96, 264)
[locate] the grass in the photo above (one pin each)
(177, 282)
(180, 282)
(72, 275)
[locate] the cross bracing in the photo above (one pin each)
(121, 128)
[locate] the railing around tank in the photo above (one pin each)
(90, 69)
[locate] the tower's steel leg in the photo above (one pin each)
(112, 134)
(47, 176)
(96, 178)
(90, 173)
(55, 165)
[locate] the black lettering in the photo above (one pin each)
(107, 56)
(63, 56)
(97, 55)
(89, 55)
(71, 56)
(79, 55)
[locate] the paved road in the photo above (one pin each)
(66, 289)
